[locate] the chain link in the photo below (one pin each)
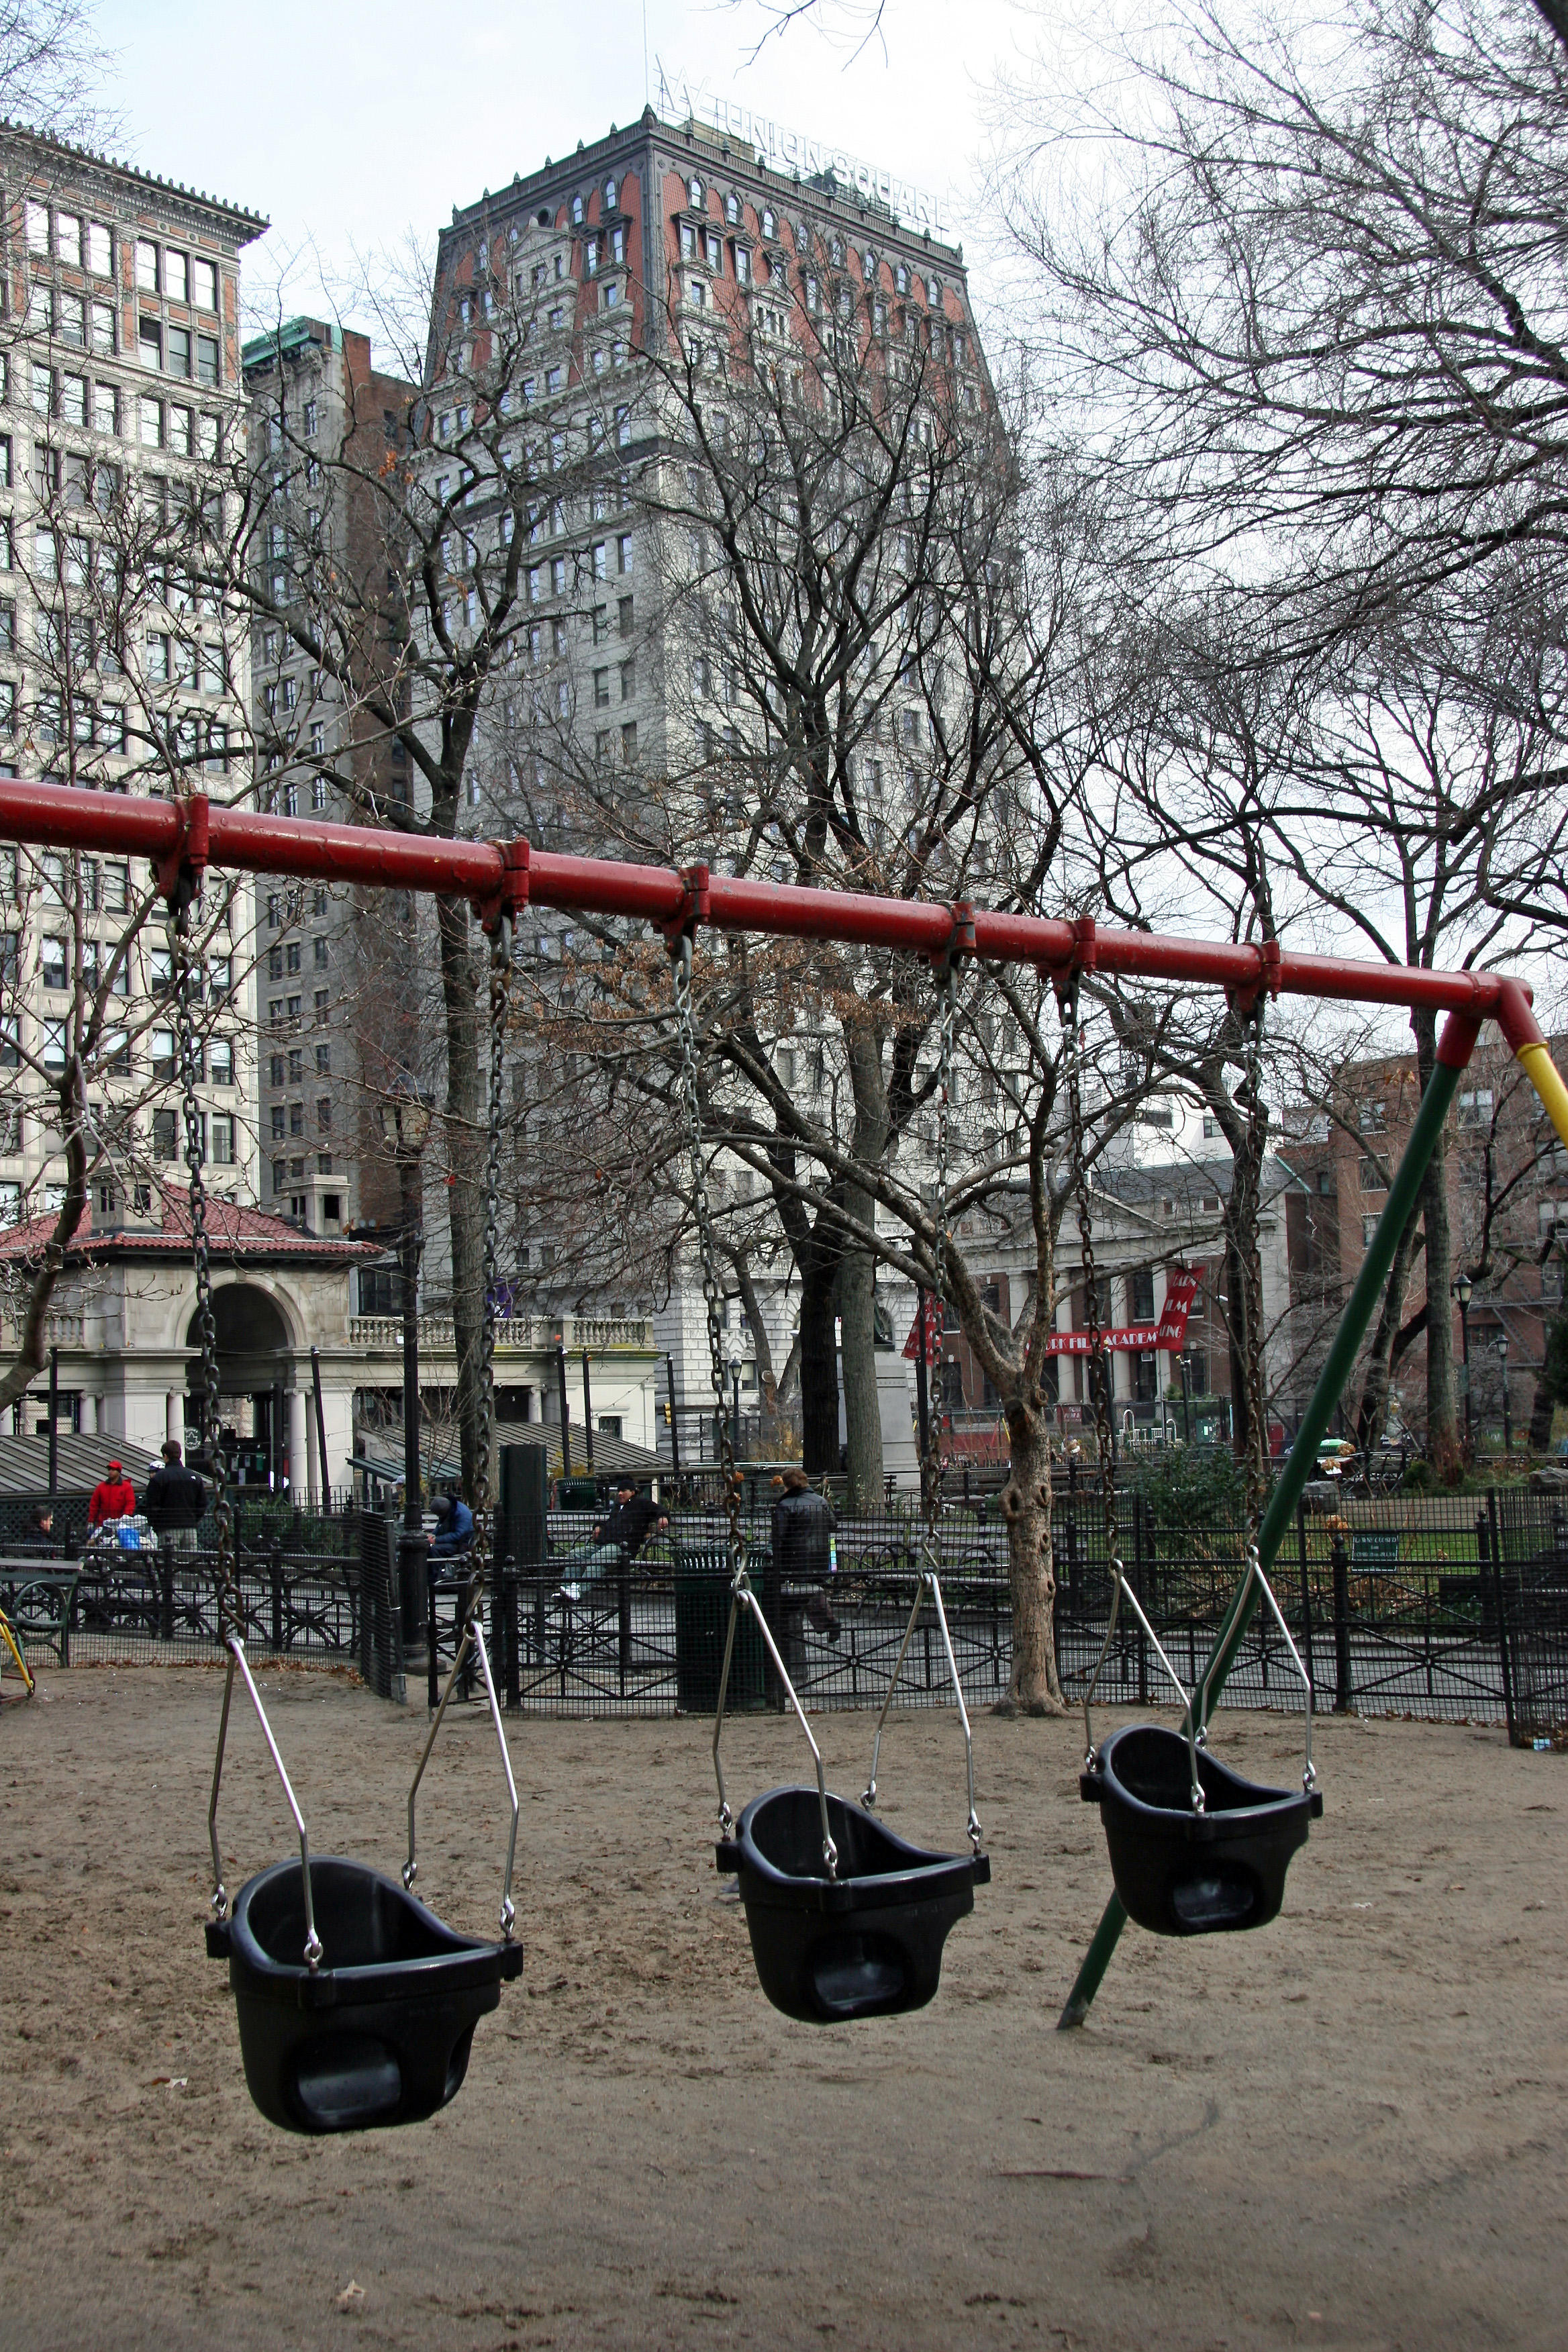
(1097, 1371)
(1247, 1208)
(499, 990)
(231, 1614)
(712, 1296)
(932, 1468)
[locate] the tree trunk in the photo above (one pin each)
(819, 1360)
(862, 1411)
(464, 1135)
(1033, 1686)
(1372, 1413)
(1442, 1422)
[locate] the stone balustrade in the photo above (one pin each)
(525, 1334)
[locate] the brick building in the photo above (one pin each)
(332, 981)
(1507, 1178)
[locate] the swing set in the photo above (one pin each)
(356, 2005)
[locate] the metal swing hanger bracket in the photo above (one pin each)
(945, 959)
(509, 896)
(180, 869)
(1244, 996)
(1084, 956)
(696, 907)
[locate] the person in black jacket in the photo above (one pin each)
(174, 1502)
(801, 1555)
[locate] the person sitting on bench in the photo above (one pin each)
(620, 1535)
(454, 1527)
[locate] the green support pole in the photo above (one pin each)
(1453, 1051)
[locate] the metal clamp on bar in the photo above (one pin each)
(961, 939)
(179, 870)
(1064, 976)
(509, 896)
(1245, 998)
(696, 907)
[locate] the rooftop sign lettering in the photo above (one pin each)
(782, 149)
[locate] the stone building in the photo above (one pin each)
(120, 410)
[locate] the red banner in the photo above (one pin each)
(931, 1315)
(1181, 1289)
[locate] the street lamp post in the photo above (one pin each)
(1464, 1289)
(404, 1131)
(1507, 1416)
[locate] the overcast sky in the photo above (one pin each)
(348, 124)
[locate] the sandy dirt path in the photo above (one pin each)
(1345, 2130)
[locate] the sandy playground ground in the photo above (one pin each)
(1345, 2130)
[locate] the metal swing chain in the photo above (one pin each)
(947, 983)
(741, 1593)
(1252, 1273)
(469, 1629)
(231, 1612)
(1099, 1393)
(1098, 1386)
(712, 1296)
(500, 986)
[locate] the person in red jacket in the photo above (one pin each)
(113, 1497)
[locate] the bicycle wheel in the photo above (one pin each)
(8, 1637)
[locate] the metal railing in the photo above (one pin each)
(1452, 1608)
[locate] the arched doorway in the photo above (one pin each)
(254, 1368)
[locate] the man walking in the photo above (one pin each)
(175, 1501)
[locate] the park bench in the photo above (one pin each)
(38, 1602)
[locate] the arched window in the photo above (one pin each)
(576, 211)
(934, 292)
(836, 253)
(770, 226)
(694, 190)
(901, 279)
(732, 209)
(870, 266)
(609, 195)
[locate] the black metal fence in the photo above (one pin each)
(1436, 1606)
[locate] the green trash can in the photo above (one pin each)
(701, 1620)
(576, 1494)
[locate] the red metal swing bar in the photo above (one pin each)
(502, 877)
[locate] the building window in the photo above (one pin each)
(205, 274)
(179, 350)
(628, 680)
(629, 741)
(165, 1135)
(206, 359)
(221, 1062)
(324, 1114)
(223, 1139)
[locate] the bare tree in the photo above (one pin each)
(127, 682)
